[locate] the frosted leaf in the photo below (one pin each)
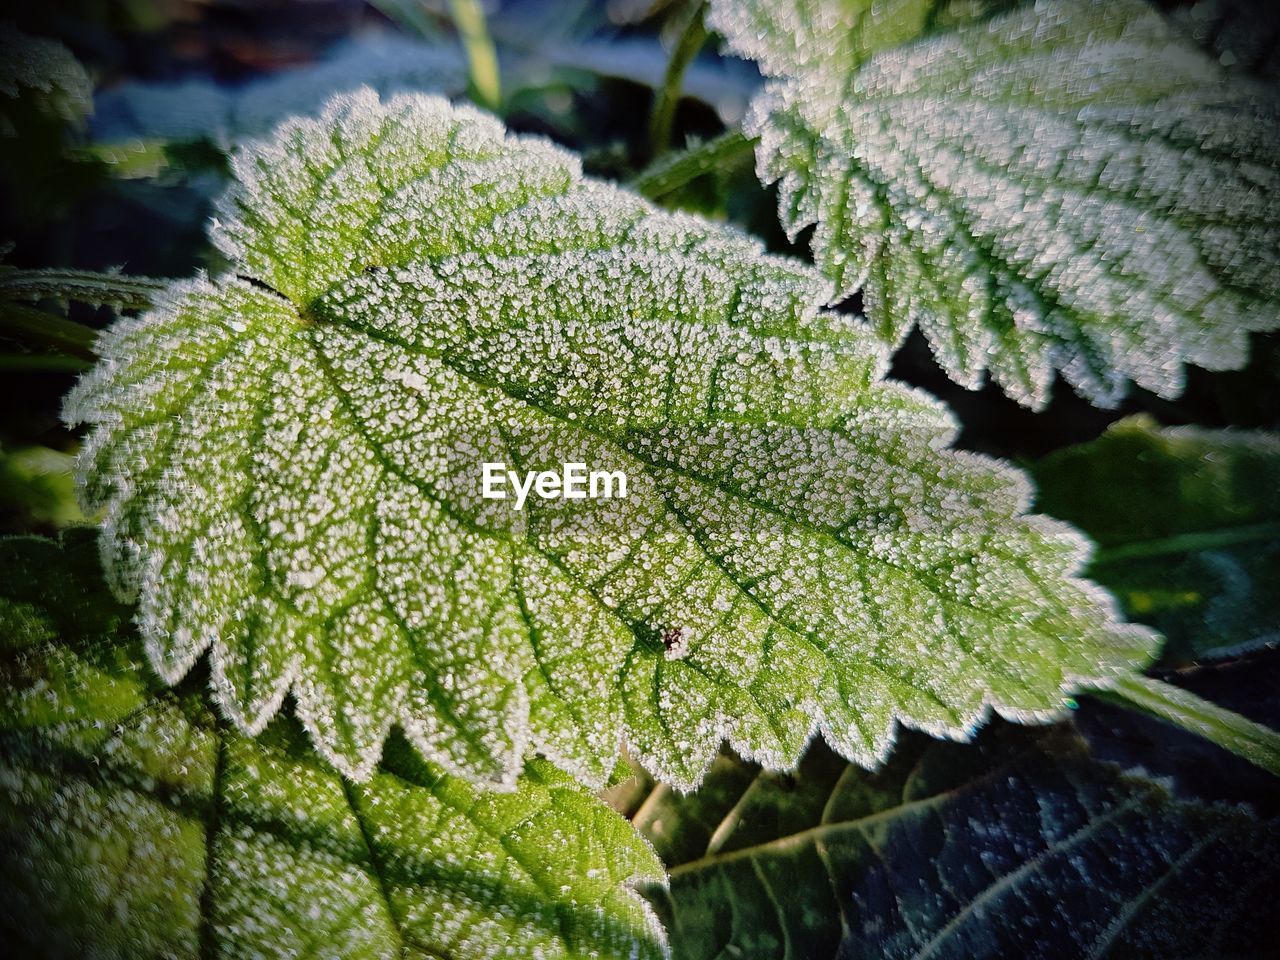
(1011, 847)
(290, 470)
(1069, 187)
(45, 70)
(137, 825)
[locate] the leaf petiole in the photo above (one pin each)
(1192, 542)
(84, 286)
(1246, 738)
(673, 172)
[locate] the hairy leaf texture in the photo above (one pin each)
(1069, 187)
(289, 464)
(138, 825)
(1017, 846)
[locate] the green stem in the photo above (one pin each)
(1189, 543)
(31, 326)
(85, 286)
(667, 97)
(675, 171)
(1258, 744)
(482, 59)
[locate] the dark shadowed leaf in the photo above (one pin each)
(1018, 846)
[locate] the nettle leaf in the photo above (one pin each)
(36, 483)
(1015, 847)
(137, 824)
(289, 461)
(1069, 187)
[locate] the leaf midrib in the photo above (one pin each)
(806, 636)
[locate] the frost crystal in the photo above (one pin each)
(1068, 187)
(137, 825)
(290, 471)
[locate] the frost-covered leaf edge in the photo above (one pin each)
(1042, 337)
(81, 716)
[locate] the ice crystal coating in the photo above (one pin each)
(289, 468)
(1068, 187)
(137, 825)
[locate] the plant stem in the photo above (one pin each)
(1189, 543)
(482, 59)
(36, 327)
(674, 172)
(667, 97)
(1258, 744)
(85, 286)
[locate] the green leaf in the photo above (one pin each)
(1005, 849)
(1069, 187)
(137, 824)
(290, 464)
(83, 286)
(1188, 525)
(675, 170)
(36, 486)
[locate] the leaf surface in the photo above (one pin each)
(289, 461)
(1187, 521)
(1067, 187)
(36, 483)
(137, 824)
(1017, 846)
